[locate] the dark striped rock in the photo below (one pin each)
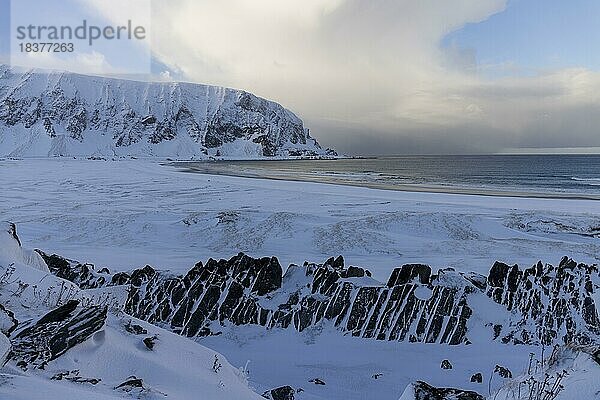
(542, 304)
(55, 333)
(225, 290)
(241, 291)
(83, 275)
(552, 304)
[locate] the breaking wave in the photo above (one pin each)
(587, 181)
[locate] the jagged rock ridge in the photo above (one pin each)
(244, 290)
(552, 303)
(59, 114)
(544, 304)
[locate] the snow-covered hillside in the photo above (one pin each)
(79, 337)
(64, 114)
(67, 343)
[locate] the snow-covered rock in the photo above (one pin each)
(11, 250)
(5, 348)
(244, 295)
(237, 290)
(423, 391)
(280, 393)
(68, 343)
(554, 303)
(55, 333)
(539, 305)
(8, 322)
(244, 290)
(64, 114)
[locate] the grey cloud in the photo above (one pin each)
(369, 76)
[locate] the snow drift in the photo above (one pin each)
(60, 342)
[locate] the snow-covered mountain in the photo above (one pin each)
(46, 113)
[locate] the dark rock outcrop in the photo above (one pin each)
(280, 393)
(424, 391)
(130, 384)
(74, 376)
(235, 290)
(135, 329)
(8, 322)
(12, 231)
(225, 290)
(149, 342)
(445, 364)
(544, 304)
(83, 275)
(503, 372)
(55, 333)
(553, 304)
(408, 273)
(477, 378)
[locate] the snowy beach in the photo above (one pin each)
(125, 214)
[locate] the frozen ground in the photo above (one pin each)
(360, 369)
(124, 214)
(347, 368)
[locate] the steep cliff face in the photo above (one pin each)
(60, 114)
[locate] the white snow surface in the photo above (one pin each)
(129, 213)
(177, 368)
(13, 252)
(581, 378)
(347, 364)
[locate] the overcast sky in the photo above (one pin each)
(398, 76)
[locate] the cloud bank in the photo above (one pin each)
(370, 76)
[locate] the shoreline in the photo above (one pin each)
(181, 218)
(466, 191)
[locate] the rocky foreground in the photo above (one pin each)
(543, 304)
(50, 305)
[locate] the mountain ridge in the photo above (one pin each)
(56, 113)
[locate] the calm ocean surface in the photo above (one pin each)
(550, 175)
